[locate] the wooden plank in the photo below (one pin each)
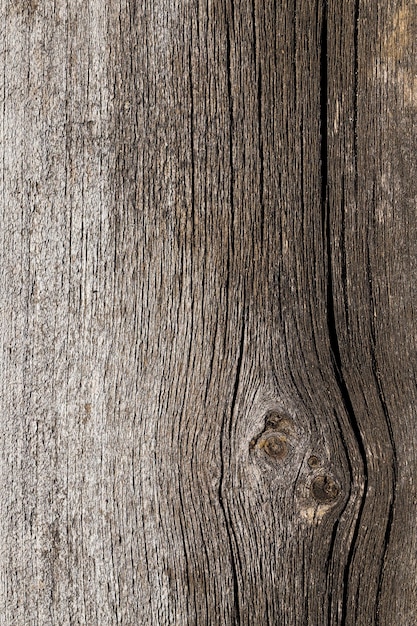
(372, 191)
(206, 311)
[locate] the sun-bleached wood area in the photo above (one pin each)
(208, 318)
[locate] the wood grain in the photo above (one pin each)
(207, 313)
(372, 195)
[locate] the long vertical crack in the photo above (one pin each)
(231, 538)
(226, 516)
(394, 464)
(331, 304)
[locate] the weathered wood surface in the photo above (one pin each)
(208, 365)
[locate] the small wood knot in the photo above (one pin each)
(275, 446)
(314, 462)
(276, 441)
(276, 421)
(324, 489)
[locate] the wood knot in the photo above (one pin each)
(276, 421)
(273, 442)
(274, 445)
(314, 462)
(324, 489)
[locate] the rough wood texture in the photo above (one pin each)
(208, 367)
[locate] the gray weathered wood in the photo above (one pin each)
(372, 191)
(208, 247)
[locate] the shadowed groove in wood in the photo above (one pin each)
(376, 375)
